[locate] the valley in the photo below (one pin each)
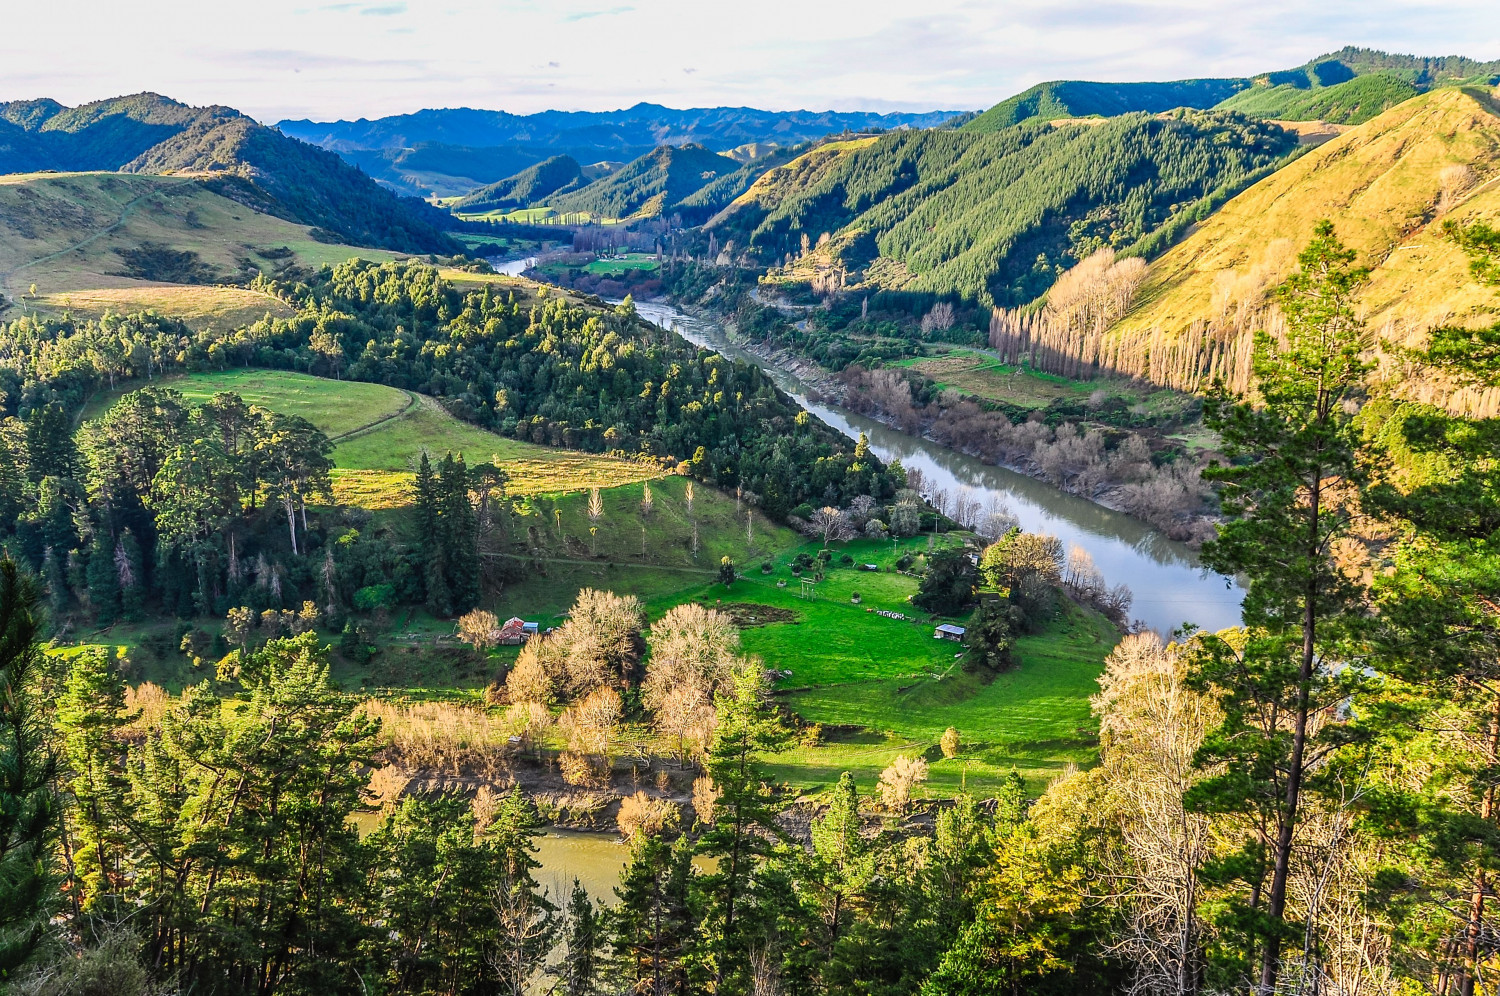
(1045, 548)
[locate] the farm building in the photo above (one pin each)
(948, 631)
(517, 631)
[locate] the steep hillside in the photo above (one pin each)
(1350, 102)
(96, 242)
(994, 216)
(147, 133)
(530, 186)
(1079, 99)
(654, 184)
(719, 193)
(1387, 185)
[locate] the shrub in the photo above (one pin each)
(950, 743)
(375, 596)
(846, 560)
(647, 816)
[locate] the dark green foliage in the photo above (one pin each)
(1079, 99)
(726, 571)
(29, 809)
(652, 928)
(49, 443)
(652, 185)
(990, 638)
(532, 185)
(447, 536)
(948, 586)
(995, 217)
(581, 966)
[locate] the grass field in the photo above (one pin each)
(623, 264)
(385, 431)
(63, 231)
(985, 376)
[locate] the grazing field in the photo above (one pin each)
(623, 264)
(381, 432)
(92, 242)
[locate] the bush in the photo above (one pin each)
(375, 596)
(846, 560)
(950, 743)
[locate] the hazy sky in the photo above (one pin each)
(294, 58)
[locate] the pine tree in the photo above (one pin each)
(1289, 492)
(90, 714)
(49, 443)
(582, 945)
(745, 820)
(459, 535)
(652, 926)
(103, 580)
(130, 579)
(29, 810)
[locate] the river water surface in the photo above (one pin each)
(1169, 584)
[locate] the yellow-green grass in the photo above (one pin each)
(1034, 719)
(381, 433)
(60, 232)
(634, 261)
(985, 376)
(334, 406)
(197, 305)
(1388, 185)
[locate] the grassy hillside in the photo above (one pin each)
(651, 185)
(530, 186)
(1080, 99)
(994, 216)
(1387, 185)
(92, 242)
(381, 432)
(258, 166)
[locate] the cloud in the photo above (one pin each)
(348, 59)
(583, 15)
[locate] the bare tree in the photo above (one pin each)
(641, 814)
(694, 656)
(1151, 725)
(589, 732)
(479, 629)
(898, 780)
(831, 523)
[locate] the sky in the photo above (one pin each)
(275, 59)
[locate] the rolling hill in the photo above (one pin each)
(1079, 99)
(532, 185)
(993, 216)
(124, 242)
(1387, 184)
(652, 185)
(1344, 87)
(245, 161)
(452, 151)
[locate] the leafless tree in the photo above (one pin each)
(1151, 725)
(831, 523)
(694, 656)
(898, 780)
(589, 733)
(479, 629)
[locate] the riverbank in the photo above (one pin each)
(1134, 473)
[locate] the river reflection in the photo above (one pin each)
(1170, 586)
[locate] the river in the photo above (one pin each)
(1169, 584)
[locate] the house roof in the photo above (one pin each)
(950, 628)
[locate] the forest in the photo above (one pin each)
(994, 217)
